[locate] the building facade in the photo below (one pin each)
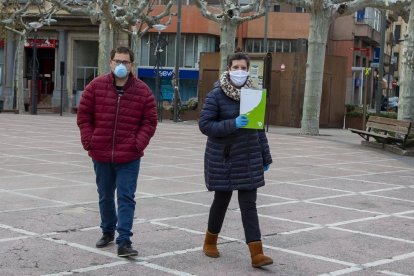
(73, 42)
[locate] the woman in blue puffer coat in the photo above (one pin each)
(235, 158)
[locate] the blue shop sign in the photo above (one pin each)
(166, 73)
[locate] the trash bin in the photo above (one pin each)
(1, 105)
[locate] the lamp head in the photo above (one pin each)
(36, 25)
(159, 27)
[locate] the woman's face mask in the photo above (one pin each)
(238, 77)
(121, 71)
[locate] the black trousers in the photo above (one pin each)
(247, 203)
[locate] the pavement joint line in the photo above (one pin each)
(404, 217)
(329, 197)
(387, 272)
(372, 235)
(87, 269)
(13, 239)
(390, 197)
(372, 264)
(37, 148)
(344, 178)
(47, 207)
(186, 201)
(345, 208)
(173, 194)
(311, 256)
(274, 204)
(382, 190)
(404, 212)
(289, 220)
(35, 197)
(50, 187)
(138, 260)
(298, 231)
(357, 220)
(274, 196)
(14, 171)
(174, 177)
(338, 190)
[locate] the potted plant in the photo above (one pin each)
(353, 116)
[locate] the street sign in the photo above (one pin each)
(374, 64)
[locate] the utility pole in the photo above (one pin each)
(381, 64)
(265, 46)
(177, 62)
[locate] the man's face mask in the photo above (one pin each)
(121, 71)
(238, 77)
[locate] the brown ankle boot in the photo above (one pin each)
(210, 245)
(256, 252)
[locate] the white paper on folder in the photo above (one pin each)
(249, 100)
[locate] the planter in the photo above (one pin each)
(185, 115)
(353, 122)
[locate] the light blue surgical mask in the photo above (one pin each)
(121, 71)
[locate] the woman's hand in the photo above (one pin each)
(241, 121)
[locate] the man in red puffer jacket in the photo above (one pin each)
(117, 117)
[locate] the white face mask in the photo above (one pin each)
(238, 77)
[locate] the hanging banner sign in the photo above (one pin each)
(42, 43)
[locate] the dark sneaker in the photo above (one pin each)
(104, 240)
(126, 250)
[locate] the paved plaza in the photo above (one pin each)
(330, 206)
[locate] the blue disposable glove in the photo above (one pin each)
(265, 167)
(241, 121)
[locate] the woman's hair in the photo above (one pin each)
(238, 56)
(123, 50)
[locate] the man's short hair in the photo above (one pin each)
(123, 50)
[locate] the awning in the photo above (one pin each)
(42, 43)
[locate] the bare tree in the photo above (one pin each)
(406, 100)
(322, 14)
(120, 15)
(16, 17)
(229, 17)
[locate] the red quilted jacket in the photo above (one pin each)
(116, 128)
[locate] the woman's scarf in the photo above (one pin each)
(229, 89)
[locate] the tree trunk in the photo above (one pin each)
(105, 46)
(227, 42)
(136, 48)
(19, 75)
(319, 28)
(406, 99)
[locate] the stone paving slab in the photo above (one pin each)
(330, 206)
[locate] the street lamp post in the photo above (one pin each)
(158, 50)
(35, 25)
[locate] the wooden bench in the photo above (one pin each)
(386, 130)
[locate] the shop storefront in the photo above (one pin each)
(188, 82)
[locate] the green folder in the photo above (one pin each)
(253, 105)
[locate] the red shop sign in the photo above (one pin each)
(42, 43)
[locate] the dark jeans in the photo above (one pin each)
(123, 178)
(247, 203)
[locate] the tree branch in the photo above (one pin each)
(202, 6)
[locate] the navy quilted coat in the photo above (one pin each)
(234, 158)
(116, 128)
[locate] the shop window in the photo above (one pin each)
(397, 34)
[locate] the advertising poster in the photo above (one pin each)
(256, 72)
